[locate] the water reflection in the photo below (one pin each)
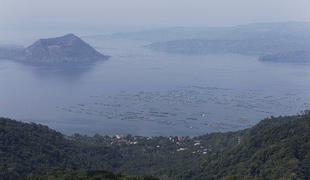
(64, 72)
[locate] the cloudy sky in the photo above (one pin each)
(53, 14)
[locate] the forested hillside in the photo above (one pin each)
(273, 149)
(86, 175)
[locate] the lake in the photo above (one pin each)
(141, 92)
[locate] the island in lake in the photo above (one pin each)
(65, 49)
(291, 57)
(286, 42)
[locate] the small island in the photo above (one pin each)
(65, 49)
(302, 56)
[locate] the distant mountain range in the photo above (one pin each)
(276, 148)
(277, 30)
(65, 49)
(256, 46)
(270, 41)
(261, 39)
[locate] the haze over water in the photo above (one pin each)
(142, 92)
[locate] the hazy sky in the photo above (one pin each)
(151, 12)
(54, 14)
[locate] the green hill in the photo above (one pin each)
(276, 148)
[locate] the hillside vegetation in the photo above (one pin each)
(276, 148)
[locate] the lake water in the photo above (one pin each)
(141, 92)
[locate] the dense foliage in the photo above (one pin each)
(85, 175)
(276, 148)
